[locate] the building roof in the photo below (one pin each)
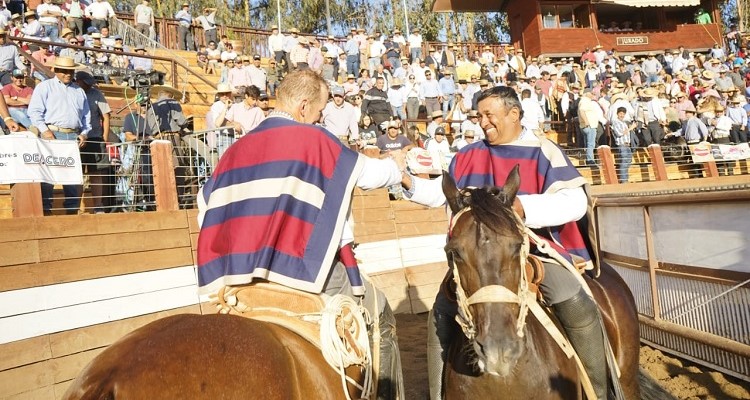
(499, 5)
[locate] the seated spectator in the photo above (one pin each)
(245, 116)
(393, 139)
(17, 96)
(77, 55)
(141, 63)
(119, 41)
(368, 132)
(96, 56)
(228, 65)
(44, 55)
(228, 53)
(467, 138)
(214, 58)
(119, 60)
(32, 29)
(202, 58)
(108, 42)
(438, 145)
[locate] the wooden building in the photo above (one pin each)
(568, 27)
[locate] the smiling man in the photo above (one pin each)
(551, 199)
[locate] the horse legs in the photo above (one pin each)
(579, 316)
(441, 331)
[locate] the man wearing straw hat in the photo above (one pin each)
(60, 110)
(184, 34)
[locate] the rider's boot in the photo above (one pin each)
(390, 380)
(441, 327)
(580, 318)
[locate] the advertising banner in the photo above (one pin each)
(25, 159)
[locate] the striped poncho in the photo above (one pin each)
(275, 208)
(543, 169)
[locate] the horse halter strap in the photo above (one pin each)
(493, 293)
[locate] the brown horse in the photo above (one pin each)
(485, 243)
(216, 356)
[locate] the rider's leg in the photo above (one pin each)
(390, 382)
(579, 316)
(441, 329)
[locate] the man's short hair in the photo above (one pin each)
(621, 110)
(301, 85)
(252, 92)
(506, 95)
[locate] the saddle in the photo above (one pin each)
(310, 316)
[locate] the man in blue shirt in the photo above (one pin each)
(352, 55)
(184, 36)
(448, 89)
(60, 110)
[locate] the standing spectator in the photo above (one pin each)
(184, 29)
(10, 58)
(590, 115)
(208, 22)
(338, 117)
(245, 116)
(448, 90)
(314, 55)
(100, 11)
(327, 69)
(375, 103)
(375, 53)
(291, 42)
(415, 44)
(17, 96)
(651, 67)
(361, 39)
(412, 88)
(533, 115)
(256, 75)
(351, 48)
(94, 156)
(61, 120)
(299, 54)
(144, 18)
(737, 114)
(656, 118)
(429, 93)
(622, 130)
(74, 10)
(48, 15)
(397, 98)
(272, 77)
(276, 44)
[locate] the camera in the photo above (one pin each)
(141, 82)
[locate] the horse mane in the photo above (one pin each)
(490, 208)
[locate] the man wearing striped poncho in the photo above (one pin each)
(278, 208)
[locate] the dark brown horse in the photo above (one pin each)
(485, 243)
(208, 357)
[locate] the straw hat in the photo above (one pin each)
(707, 75)
(690, 108)
(15, 16)
(619, 96)
(396, 82)
(436, 114)
(223, 88)
(650, 92)
(66, 63)
(155, 90)
(303, 40)
(66, 32)
(30, 13)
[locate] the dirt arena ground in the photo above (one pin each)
(682, 379)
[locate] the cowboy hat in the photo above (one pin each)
(66, 63)
(619, 96)
(155, 90)
(436, 114)
(650, 92)
(223, 88)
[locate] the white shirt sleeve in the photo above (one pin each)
(378, 173)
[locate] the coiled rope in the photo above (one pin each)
(344, 341)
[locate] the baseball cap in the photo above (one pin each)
(18, 72)
(256, 57)
(86, 77)
(440, 130)
(263, 96)
(337, 91)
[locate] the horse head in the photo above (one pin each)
(485, 247)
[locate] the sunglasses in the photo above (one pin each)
(73, 42)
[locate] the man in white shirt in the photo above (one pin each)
(100, 11)
(656, 119)
(472, 124)
(533, 116)
(48, 15)
(256, 75)
(415, 44)
(208, 23)
(376, 53)
(339, 118)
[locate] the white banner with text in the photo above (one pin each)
(25, 159)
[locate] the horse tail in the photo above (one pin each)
(651, 389)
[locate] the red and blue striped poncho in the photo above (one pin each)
(544, 168)
(275, 208)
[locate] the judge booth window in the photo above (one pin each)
(565, 16)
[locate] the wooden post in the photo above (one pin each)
(26, 199)
(165, 185)
(709, 167)
(657, 162)
(607, 161)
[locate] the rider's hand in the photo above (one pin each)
(48, 135)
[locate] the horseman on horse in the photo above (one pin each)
(277, 209)
(551, 199)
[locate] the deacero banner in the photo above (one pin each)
(25, 159)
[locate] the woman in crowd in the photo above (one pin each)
(368, 132)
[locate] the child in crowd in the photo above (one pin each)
(202, 57)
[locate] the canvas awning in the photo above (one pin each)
(654, 3)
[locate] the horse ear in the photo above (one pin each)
(452, 195)
(512, 182)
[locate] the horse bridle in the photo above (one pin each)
(492, 293)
